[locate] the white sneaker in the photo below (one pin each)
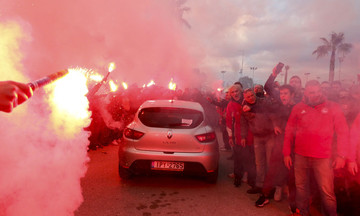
(278, 193)
(231, 175)
(245, 177)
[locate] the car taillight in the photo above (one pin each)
(132, 134)
(206, 137)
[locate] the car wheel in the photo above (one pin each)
(124, 173)
(212, 177)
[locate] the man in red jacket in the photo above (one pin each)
(243, 154)
(310, 129)
(353, 166)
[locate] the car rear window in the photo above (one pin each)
(166, 117)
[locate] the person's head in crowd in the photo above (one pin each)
(295, 82)
(249, 96)
(179, 93)
(313, 94)
(326, 88)
(277, 84)
(227, 95)
(286, 94)
(239, 84)
(235, 92)
(345, 104)
(259, 90)
(343, 93)
(355, 92)
(336, 86)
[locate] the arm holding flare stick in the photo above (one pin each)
(96, 88)
(46, 80)
(14, 93)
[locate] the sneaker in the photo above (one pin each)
(225, 149)
(254, 190)
(245, 177)
(293, 209)
(237, 182)
(296, 213)
(262, 201)
(278, 193)
(231, 175)
(115, 143)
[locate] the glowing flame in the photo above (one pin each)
(68, 102)
(150, 83)
(125, 85)
(113, 86)
(219, 89)
(172, 85)
(144, 86)
(96, 77)
(111, 66)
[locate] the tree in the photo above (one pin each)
(335, 45)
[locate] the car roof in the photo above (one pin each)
(172, 103)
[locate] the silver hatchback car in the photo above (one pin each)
(169, 136)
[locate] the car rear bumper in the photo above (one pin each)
(193, 162)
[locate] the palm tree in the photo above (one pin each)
(335, 45)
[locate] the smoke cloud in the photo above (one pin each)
(145, 39)
(44, 148)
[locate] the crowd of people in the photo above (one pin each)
(304, 140)
(285, 139)
(112, 111)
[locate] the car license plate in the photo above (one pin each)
(166, 165)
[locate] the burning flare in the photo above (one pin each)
(150, 83)
(125, 85)
(67, 100)
(172, 85)
(113, 86)
(111, 67)
(96, 77)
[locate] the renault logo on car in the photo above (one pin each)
(169, 134)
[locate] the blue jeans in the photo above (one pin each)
(324, 177)
(262, 147)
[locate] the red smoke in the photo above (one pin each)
(40, 165)
(144, 38)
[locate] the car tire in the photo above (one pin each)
(124, 173)
(212, 177)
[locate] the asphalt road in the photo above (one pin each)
(105, 194)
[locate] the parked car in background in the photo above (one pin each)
(169, 136)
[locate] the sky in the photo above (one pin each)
(259, 33)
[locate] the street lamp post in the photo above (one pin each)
(287, 67)
(223, 73)
(253, 70)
